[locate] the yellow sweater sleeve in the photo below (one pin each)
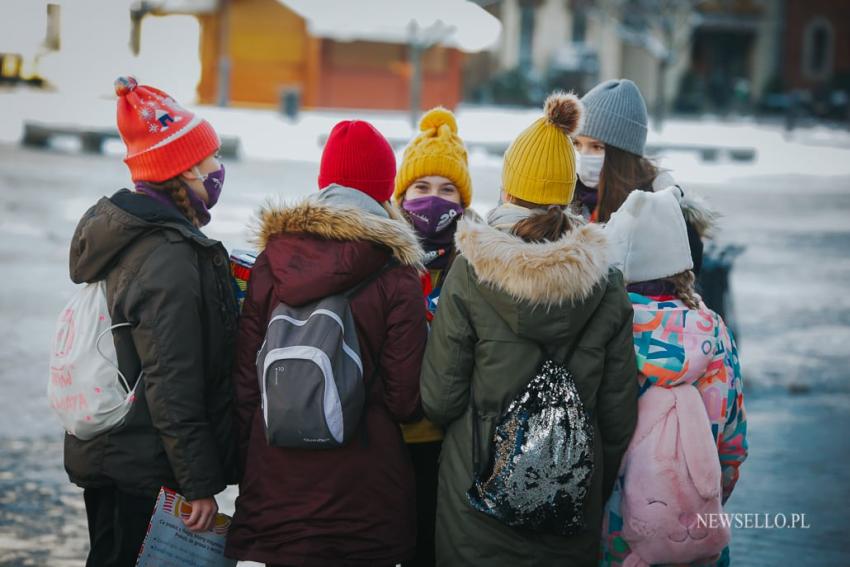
(422, 431)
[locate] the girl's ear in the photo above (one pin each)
(187, 175)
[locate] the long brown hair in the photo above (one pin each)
(549, 224)
(176, 190)
(622, 173)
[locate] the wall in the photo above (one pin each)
(270, 50)
(508, 45)
(552, 29)
(267, 45)
(765, 51)
(375, 75)
(797, 16)
(602, 34)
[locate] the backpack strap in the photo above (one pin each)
(354, 291)
(551, 353)
(476, 444)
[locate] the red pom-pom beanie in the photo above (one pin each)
(163, 139)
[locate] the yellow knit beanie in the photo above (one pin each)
(437, 150)
(540, 165)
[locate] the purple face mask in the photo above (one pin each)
(432, 217)
(213, 182)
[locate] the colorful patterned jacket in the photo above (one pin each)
(676, 346)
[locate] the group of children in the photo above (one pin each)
(590, 258)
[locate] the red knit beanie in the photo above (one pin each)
(163, 139)
(356, 155)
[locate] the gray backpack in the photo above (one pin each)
(312, 387)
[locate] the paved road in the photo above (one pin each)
(793, 313)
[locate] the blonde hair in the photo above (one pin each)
(683, 284)
(176, 190)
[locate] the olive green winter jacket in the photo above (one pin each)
(503, 300)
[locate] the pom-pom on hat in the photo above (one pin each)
(540, 164)
(163, 139)
(357, 156)
(437, 150)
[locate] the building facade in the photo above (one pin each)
(268, 50)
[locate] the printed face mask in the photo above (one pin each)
(213, 182)
(590, 168)
(433, 216)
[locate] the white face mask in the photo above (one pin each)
(589, 168)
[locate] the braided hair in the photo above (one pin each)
(176, 190)
(683, 284)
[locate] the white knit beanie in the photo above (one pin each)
(648, 238)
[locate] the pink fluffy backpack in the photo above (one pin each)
(672, 481)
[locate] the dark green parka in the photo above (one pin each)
(173, 285)
(502, 300)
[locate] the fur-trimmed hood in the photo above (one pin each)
(335, 222)
(699, 213)
(548, 273)
(316, 249)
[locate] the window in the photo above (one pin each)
(818, 48)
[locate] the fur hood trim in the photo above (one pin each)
(699, 213)
(336, 222)
(695, 208)
(548, 273)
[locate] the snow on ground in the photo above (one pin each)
(268, 135)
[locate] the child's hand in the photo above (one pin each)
(203, 514)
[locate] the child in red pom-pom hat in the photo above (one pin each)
(170, 295)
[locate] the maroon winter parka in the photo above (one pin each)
(353, 505)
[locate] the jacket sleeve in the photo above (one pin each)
(401, 355)
(617, 398)
(252, 322)
(732, 443)
(164, 307)
(447, 368)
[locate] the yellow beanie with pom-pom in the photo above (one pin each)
(540, 165)
(437, 150)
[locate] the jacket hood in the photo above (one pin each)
(316, 249)
(544, 291)
(674, 344)
(112, 224)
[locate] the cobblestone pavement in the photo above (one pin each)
(42, 517)
(793, 468)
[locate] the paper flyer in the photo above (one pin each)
(169, 543)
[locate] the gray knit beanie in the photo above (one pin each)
(615, 113)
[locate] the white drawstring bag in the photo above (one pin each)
(86, 389)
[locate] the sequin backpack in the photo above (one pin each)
(541, 463)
